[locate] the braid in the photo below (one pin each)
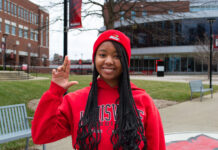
(89, 122)
(128, 131)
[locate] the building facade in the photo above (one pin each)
(180, 39)
(24, 33)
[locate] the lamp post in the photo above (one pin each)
(4, 46)
(211, 21)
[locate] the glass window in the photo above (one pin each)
(122, 15)
(170, 12)
(0, 26)
(13, 30)
(0, 4)
(12, 8)
(47, 32)
(27, 16)
(30, 17)
(9, 8)
(5, 5)
(42, 38)
(15, 10)
(24, 14)
(37, 19)
(36, 36)
(20, 32)
(190, 64)
(184, 64)
(21, 12)
(31, 35)
(18, 11)
(25, 34)
(144, 14)
(7, 28)
(198, 66)
(133, 15)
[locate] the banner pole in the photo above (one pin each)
(65, 29)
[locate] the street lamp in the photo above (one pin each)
(211, 21)
(4, 48)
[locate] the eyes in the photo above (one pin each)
(104, 55)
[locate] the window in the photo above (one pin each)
(27, 16)
(41, 37)
(18, 11)
(133, 15)
(13, 30)
(9, 8)
(170, 12)
(36, 36)
(144, 14)
(5, 5)
(25, 33)
(21, 12)
(20, 32)
(24, 14)
(0, 4)
(0, 27)
(15, 10)
(7, 28)
(12, 8)
(122, 15)
(31, 35)
(37, 19)
(47, 32)
(42, 21)
(30, 17)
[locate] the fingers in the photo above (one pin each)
(65, 63)
(64, 66)
(71, 83)
(68, 67)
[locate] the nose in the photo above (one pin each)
(109, 60)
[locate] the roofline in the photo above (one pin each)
(169, 17)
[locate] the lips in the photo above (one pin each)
(108, 69)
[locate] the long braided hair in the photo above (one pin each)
(128, 131)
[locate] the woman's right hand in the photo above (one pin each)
(61, 75)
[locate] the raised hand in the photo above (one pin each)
(61, 75)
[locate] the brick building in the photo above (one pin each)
(24, 31)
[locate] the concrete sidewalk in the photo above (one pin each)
(188, 116)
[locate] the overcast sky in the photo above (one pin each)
(79, 43)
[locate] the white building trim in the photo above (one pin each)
(22, 53)
(167, 17)
(165, 50)
(33, 54)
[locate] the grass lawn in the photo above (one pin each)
(15, 92)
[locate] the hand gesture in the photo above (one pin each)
(61, 75)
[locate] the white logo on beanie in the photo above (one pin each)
(115, 37)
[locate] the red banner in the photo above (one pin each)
(215, 43)
(75, 14)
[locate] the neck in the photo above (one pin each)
(112, 83)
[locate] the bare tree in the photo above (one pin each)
(203, 52)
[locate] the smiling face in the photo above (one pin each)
(108, 64)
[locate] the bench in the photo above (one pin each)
(197, 86)
(14, 124)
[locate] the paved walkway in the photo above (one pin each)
(190, 116)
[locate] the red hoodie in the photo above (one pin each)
(57, 117)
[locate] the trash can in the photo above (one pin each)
(160, 68)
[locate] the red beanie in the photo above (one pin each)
(113, 35)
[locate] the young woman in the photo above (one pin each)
(112, 113)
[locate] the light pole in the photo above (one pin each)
(211, 21)
(4, 48)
